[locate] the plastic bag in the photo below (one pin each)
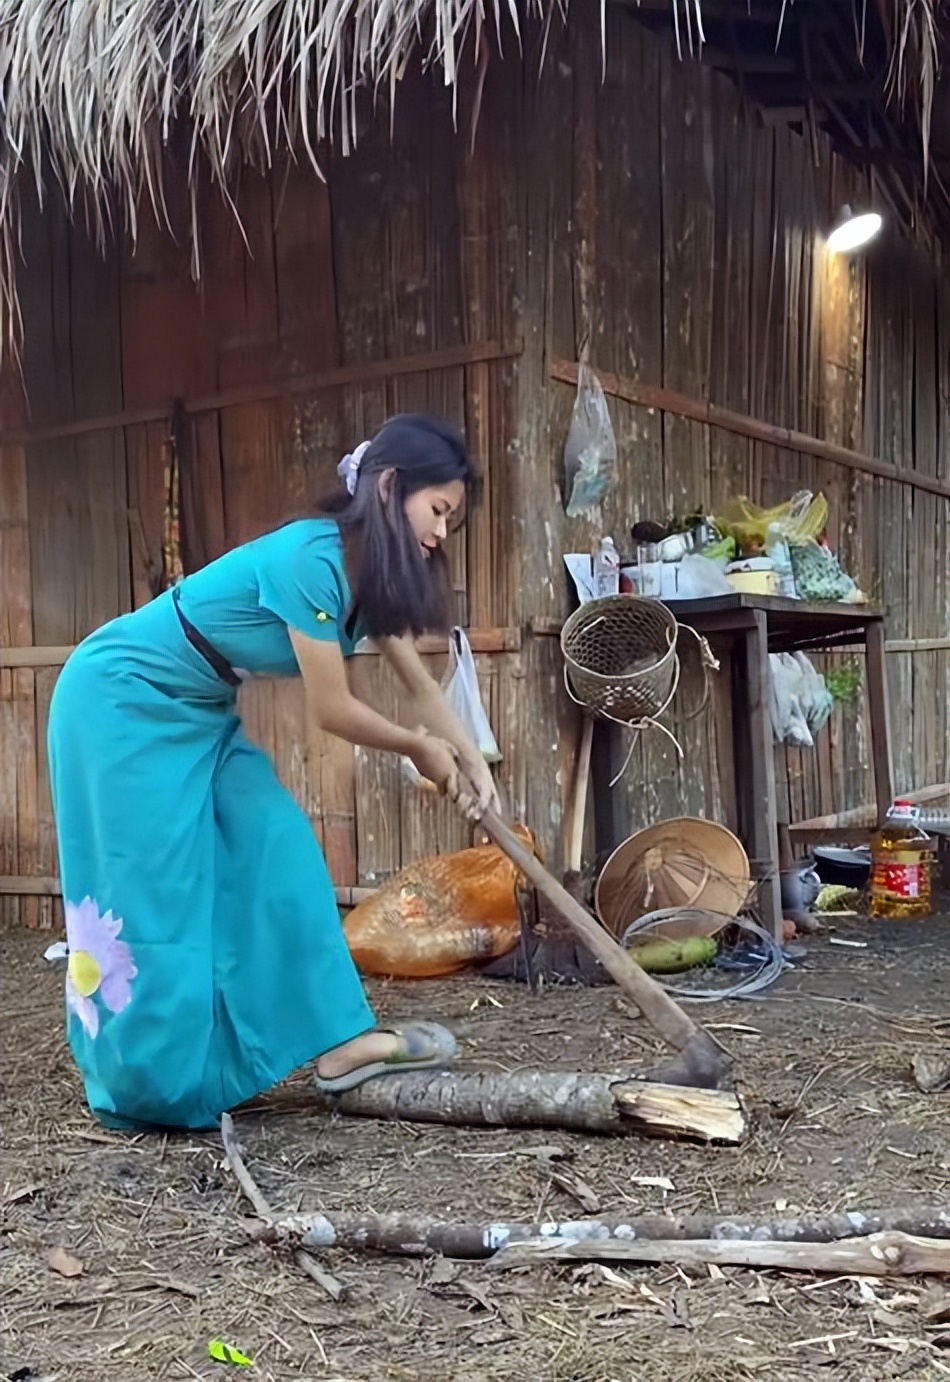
(816, 700)
(460, 688)
(789, 721)
(799, 702)
(818, 575)
(460, 685)
(701, 577)
(799, 519)
(590, 452)
(439, 915)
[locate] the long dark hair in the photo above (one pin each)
(396, 590)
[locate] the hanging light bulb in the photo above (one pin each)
(852, 231)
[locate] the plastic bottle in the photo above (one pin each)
(776, 549)
(606, 569)
(900, 866)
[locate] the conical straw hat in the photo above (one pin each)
(680, 863)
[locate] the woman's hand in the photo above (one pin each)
(437, 761)
(477, 790)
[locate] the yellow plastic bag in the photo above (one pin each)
(439, 915)
(800, 519)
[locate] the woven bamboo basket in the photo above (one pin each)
(620, 657)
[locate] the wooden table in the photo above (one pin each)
(752, 626)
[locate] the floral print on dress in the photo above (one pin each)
(99, 963)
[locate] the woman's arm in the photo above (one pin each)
(428, 706)
(337, 711)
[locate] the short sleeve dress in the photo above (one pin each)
(206, 955)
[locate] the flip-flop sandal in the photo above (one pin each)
(427, 1045)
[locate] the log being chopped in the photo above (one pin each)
(543, 1099)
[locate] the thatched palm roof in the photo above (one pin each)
(91, 90)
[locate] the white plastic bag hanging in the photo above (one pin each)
(460, 688)
(789, 723)
(815, 697)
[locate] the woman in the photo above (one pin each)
(206, 956)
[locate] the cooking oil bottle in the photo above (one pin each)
(900, 866)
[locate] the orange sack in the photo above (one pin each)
(439, 915)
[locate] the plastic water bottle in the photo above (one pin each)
(776, 549)
(606, 569)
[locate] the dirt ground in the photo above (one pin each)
(159, 1225)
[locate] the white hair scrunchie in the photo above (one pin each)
(349, 468)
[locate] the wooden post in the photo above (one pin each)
(611, 823)
(879, 717)
(579, 796)
(755, 766)
(18, 729)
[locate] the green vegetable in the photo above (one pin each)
(843, 683)
(659, 956)
(837, 897)
(725, 547)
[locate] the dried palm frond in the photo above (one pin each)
(91, 90)
(911, 27)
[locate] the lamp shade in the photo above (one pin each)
(852, 230)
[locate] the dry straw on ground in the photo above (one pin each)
(824, 1063)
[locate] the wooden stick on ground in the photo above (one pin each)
(421, 1236)
(701, 1062)
(883, 1254)
(242, 1175)
(549, 1099)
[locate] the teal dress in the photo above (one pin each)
(206, 955)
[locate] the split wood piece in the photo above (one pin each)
(420, 1237)
(544, 1099)
(702, 1062)
(242, 1175)
(883, 1254)
(581, 785)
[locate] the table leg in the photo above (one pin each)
(879, 717)
(755, 768)
(608, 750)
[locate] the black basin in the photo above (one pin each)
(851, 867)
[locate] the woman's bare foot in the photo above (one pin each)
(366, 1049)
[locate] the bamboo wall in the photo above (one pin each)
(435, 272)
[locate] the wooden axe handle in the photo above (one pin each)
(663, 1014)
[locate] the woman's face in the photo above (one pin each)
(434, 512)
